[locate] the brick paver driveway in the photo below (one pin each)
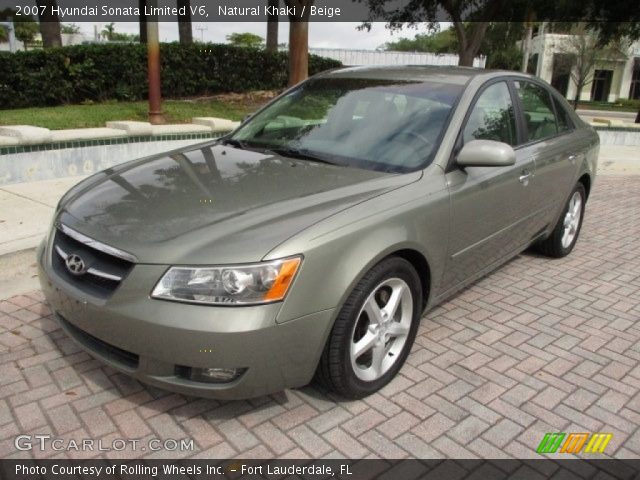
(538, 346)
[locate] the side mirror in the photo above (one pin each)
(486, 153)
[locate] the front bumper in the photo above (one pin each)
(153, 340)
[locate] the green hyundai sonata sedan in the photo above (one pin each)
(309, 242)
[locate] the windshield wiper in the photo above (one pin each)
(235, 143)
(300, 154)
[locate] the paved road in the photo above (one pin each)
(538, 346)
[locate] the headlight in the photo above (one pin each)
(227, 285)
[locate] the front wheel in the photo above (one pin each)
(565, 234)
(374, 331)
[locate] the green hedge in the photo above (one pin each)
(86, 73)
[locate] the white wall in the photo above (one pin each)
(375, 57)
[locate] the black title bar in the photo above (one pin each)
(316, 469)
(104, 11)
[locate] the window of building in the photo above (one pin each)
(634, 92)
(561, 73)
(601, 85)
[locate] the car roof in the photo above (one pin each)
(420, 73)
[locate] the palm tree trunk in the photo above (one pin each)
(272, 28)
(299, 40)
(143, 21)
(49, 25)
(184, 23)
(298, 52)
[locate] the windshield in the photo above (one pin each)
(386, 125)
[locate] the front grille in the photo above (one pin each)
(103, 272)
(111, 352)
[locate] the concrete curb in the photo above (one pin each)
(16, 135)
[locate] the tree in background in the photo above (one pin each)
(437, 42)
(69, 28)
(584, 49)
(246, 39)
(272, 27)
(5, 15)
(26, 29)
(610, 30)
(109, 33)
(49, 24)
(498, 44)
(299, 40)
(469, 35)
(184, 23)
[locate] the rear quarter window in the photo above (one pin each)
(564, 120)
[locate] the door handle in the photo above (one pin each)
(572, 159)
(524, 178)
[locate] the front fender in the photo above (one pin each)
(340, 250)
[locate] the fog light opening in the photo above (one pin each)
(213, 375)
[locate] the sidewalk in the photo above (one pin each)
(26, 210)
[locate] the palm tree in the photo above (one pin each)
(299, 40)
(49, 24)
(184, 23)
(108, 31)
(272, 28)
(143, 21)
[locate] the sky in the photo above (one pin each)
(321, 34)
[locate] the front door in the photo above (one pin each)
(489, 205)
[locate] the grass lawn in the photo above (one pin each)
(96, 115)
(623, 106)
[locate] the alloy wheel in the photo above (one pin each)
(381, 329)
(572, 220)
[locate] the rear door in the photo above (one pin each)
(547, 139)
(490, 206)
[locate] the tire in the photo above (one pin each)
(390, 332)
(565, 234)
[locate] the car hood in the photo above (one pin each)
(214, 203)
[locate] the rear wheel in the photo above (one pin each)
(374, 331)
(566, 232)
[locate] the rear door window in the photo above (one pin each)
(539, 115)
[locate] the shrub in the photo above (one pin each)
(91, 73)
(630, 103)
